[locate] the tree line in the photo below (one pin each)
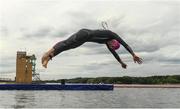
(174, 79)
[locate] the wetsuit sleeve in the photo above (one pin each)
(122, 42)
(114, 54)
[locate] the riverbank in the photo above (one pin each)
(146, 85)
(159, 81)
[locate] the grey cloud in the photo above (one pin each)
(170, 60)
(155, 57)
(96, 65)
(8, 73)
(78, 20)
(46, 32)
(7, 64)
(42, 32)
(7, 61)
(140, 46)
(60, 33)
(82, 19)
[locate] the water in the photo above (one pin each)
(120, 97)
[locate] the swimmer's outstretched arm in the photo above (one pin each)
(128, 48)
(117, 57)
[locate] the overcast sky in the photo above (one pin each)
(150, 27)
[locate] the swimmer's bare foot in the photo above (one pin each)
(46, 57)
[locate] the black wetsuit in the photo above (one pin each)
(87, 35)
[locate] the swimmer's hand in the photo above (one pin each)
(123, 65)
(137, 59)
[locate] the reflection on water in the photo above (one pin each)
(120, 97)
(24, 99)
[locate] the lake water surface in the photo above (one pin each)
(120, 97)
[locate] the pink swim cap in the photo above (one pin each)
(115, 44)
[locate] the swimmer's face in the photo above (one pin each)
(110, 44)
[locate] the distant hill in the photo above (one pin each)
(173, 79)
(169, 79)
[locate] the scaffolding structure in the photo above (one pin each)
(35, 75)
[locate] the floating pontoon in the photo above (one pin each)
(56, 87)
